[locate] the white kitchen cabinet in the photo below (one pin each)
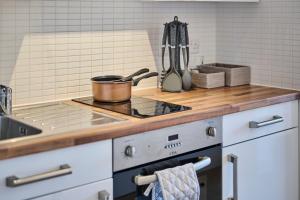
(49, 172)
(236, 126)
(249, 1)
(101, 190)
(266, 168)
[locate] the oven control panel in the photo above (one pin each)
(134, 150)
(174, 145)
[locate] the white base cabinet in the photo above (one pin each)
(267, 168)
(87, 164)
(101, 190)
(247, 1)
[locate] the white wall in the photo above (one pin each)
(49, 49)
(265, 36)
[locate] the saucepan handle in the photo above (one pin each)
(137, 80)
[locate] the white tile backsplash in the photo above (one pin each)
(49, 49)
(264, 35)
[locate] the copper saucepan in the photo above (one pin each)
(113, 88)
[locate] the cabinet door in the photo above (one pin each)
(88, 163)
(266, 168)
(101, 190)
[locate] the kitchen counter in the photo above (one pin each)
(205, 104)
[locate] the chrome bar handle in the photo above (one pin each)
(276, 119)
(234, 160)
(146, 180)
(103, 195)
(14, 181)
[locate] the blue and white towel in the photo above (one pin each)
(178, 183)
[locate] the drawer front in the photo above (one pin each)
(101, 190)
(242, 126)
(88, 163)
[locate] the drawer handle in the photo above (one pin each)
(103, 195)
(234, 160)
(276, 119)
(14, 181)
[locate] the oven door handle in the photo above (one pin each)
(146, 180)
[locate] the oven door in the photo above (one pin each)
(210, 177)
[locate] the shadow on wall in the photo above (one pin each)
(50, 50)
(61, 64)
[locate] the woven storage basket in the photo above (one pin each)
(234, 74)
(208, 78)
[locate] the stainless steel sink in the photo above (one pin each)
(58, 117)
(11, 128)
(50, 118)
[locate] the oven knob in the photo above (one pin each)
(211, 131)
(130, 151)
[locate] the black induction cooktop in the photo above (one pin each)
(136, 107)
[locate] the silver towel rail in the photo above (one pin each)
(146, 180)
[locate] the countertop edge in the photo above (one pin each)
(64, 140)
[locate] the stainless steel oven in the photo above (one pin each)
(142, 154)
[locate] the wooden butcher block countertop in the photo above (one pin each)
(205, 103)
